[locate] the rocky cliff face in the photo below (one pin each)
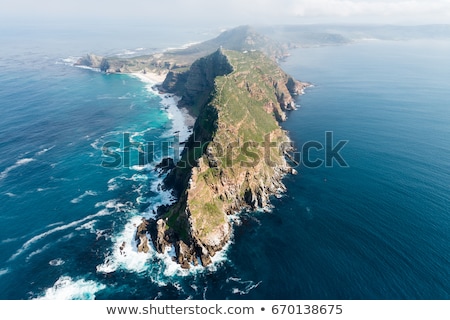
(235, 158)
(93, 61)
(196, 85)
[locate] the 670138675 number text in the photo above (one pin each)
(306, 309)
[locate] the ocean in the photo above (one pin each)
(378, 228)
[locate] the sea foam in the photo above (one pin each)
(66, 288)
(56, 262)
(27, 244)
(84, 195)
(3, 272)
(124, 253)
(44, 151)
(18, 164)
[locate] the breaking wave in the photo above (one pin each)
(18, 164)
(66, 288)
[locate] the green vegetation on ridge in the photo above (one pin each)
(228, 161)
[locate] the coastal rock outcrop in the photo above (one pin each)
(141, 237)
(90, 60)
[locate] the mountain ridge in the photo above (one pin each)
(177, 60)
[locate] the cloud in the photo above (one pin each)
(384, 10)
(236, 11)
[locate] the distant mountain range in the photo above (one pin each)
(274, 41)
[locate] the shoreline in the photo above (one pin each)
(182, 126)
(182, 121)
(125, 251)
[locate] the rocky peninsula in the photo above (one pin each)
(236, 157)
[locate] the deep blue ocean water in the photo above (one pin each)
(379, 229)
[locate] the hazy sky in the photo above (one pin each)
(231, 12)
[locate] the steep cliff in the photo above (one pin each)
(196, 85)
(235, 158)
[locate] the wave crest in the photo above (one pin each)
(65, 288)
(18, 164)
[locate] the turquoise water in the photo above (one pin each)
(378, 229)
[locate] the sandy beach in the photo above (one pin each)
(150, 77)
(182, 121)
